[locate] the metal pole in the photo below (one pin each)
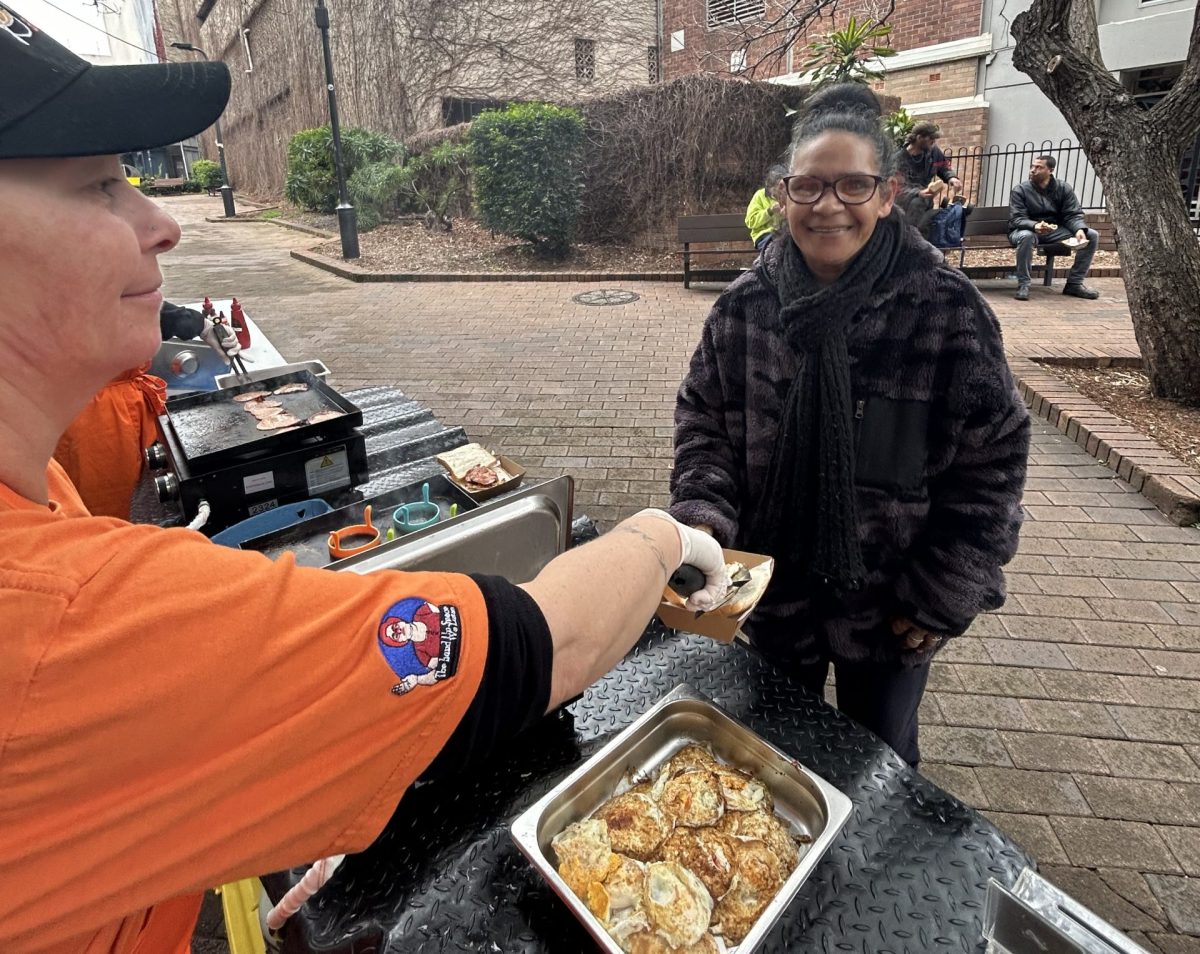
(347, 218)
(226, 188)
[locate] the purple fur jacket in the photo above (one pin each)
(941, 444)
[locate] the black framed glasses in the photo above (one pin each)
(850, 190)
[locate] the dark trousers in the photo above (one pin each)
(883, 699)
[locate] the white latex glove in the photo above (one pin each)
(704, 553)
(226, 347)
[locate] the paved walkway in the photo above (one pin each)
(1072, 718)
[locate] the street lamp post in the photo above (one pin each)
(347, 218)
(226, 188)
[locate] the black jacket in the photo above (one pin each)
(1028, 205)
(919, 170)
(941, 434)
(176, 321)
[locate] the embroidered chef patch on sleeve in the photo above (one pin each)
(420, 642)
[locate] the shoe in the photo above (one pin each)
(1081, 291)
(1022, 293)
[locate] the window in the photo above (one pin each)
(737, 61)
(585, 59)
(721, 13)
(652, 64)
(1151, 84)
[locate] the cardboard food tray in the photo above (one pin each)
(502, 487)
(714, 625)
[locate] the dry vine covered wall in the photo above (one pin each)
(698, 145)
(395, 60)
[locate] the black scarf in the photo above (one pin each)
(808, 515)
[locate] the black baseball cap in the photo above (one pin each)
(53, 103)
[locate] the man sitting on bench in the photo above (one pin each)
(1044, 211)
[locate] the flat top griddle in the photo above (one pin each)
(212, 429)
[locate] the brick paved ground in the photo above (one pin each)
(1072, 718)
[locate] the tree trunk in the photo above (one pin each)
(1160, 262)
(1136, 154)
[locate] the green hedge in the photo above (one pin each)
(375, 193)
(527, 164)
(311, 183)
(207, 173)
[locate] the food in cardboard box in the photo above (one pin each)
(474, 467)
(743, 597)
(677, 860)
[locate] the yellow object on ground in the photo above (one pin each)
(239, 900)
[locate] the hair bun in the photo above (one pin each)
(841, 98)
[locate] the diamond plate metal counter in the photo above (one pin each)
(908, 875)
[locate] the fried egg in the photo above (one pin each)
(706, 852)
(742, 792)
(584, 854)
(765, 827)
(755, 881)
(626, 882)
(692, 756)
(679, 905)
(693, 799)
(636, 825)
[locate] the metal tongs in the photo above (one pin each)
(688, 579)
(222, 332)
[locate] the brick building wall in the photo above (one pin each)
(928, 83)
(915, 24)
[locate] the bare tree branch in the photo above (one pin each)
(1178, 113)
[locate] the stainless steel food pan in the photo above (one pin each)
(808, 803)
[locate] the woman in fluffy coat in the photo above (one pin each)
(849, 411)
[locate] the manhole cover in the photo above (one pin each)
(605, 296)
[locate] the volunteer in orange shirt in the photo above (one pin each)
(156, 740)
(102, 449)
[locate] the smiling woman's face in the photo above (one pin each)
(80, 247)
(828, 232)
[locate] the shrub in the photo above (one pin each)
(898, 125)
(146, 186)
(311, 183)
(208, 174)
(438, 183)
(526, 162)
(375, 192)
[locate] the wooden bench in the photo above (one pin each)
(727, 230)
(987, 228)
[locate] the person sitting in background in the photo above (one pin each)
(102, 450)
(764, 214)
(921, 164)
(1044, 210)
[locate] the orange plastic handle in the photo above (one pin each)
(339, 540)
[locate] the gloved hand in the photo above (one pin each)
(226, 347)
(704, 553)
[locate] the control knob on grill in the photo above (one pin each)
(156, 456)
(184, 362)
(167, 486)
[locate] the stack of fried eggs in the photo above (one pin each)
(684, 863)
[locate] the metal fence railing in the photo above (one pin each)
(988, 175)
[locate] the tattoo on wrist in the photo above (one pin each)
(662, 560)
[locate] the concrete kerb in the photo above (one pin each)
(1163, 479)
(356, 273)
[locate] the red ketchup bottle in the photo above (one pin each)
(207, 309)
(237, 318)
